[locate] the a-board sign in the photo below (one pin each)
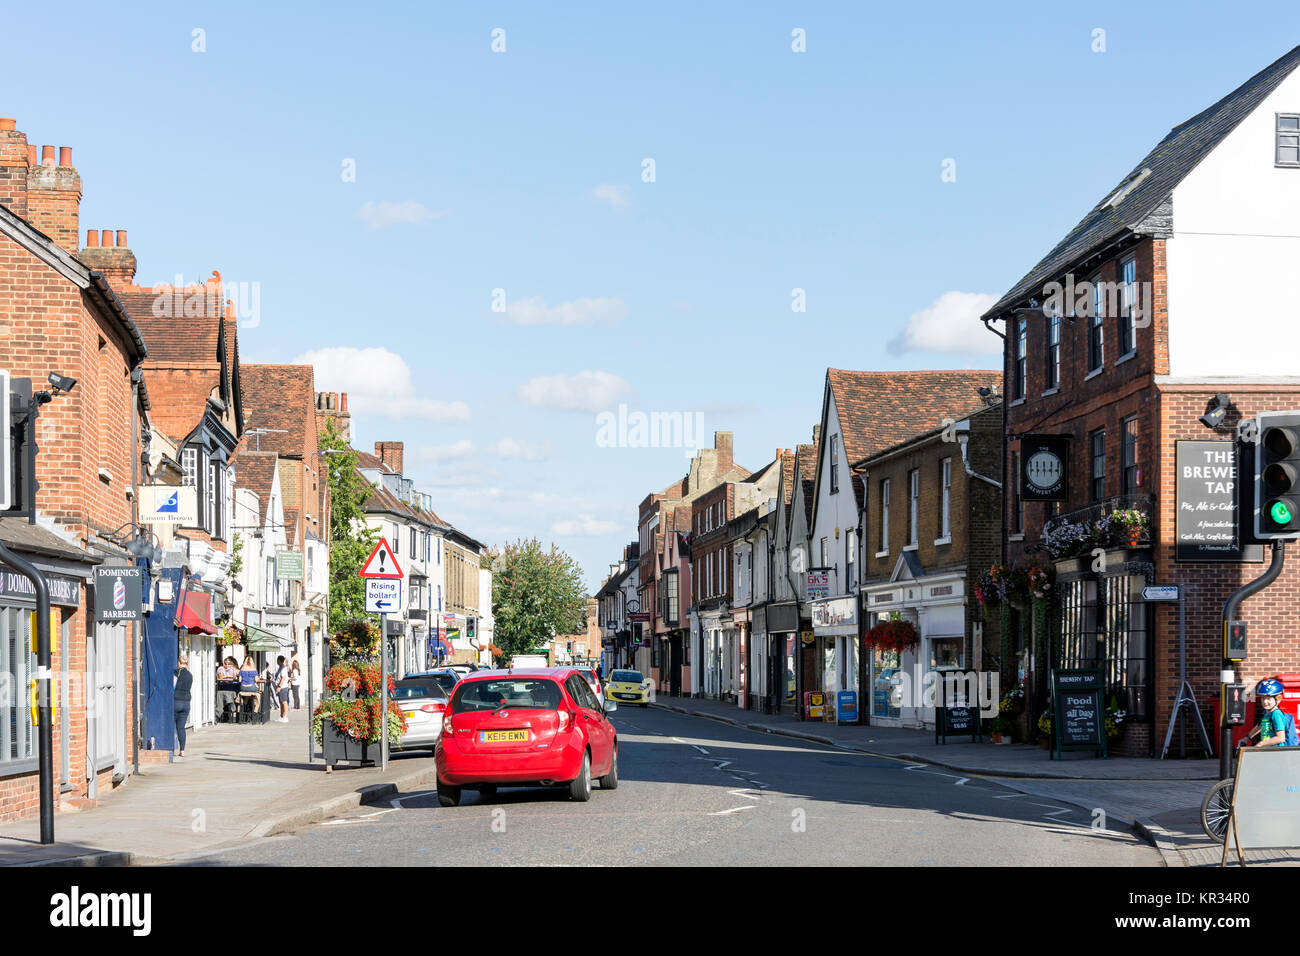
(1265, 801)
(1078, 711)
(956, 721)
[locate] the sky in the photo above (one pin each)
(491, 224)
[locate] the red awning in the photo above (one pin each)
(196, 613)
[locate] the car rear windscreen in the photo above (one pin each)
(626, 677)
(408, 691)
(506, 693)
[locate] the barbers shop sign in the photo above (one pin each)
(64, 592)
(118, 594)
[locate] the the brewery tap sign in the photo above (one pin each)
(118, 595)
(382, 563)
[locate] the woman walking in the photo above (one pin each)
(181, 695)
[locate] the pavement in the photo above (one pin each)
(239, 783)
(1158, 799)
(236, 783)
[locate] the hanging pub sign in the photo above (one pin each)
(1078, 714)
(1044, 467)
(118, 595)
(1208, 491)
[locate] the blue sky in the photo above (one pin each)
(522, 171)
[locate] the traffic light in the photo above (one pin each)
(1234, 641)
(471, 628)
(1277, 476)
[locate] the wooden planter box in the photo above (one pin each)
(340, 747)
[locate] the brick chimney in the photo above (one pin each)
(110, 257)
(54, 197)
(390, 453)
(332, 406)
(13, 168)
(722, 443)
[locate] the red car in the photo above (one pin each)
(533, 727)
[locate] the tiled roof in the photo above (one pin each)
(369, 461)
(1144, 209)
(191, 335)
(879, 409)
(806, 457)
(282, 400)
(787, 478)
(256, 471)
(291, 526)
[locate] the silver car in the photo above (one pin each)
(424, 704)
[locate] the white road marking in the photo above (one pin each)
(733, 810)
(368, 816)
(744, 792)
(698, 747)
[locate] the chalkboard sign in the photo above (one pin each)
(958, 721)
(1078, 714)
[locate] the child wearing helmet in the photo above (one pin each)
(1272, 723)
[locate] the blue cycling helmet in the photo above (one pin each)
(1268, 687)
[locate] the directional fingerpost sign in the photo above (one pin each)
(1160, 592)
(381, 563)
(383, 596)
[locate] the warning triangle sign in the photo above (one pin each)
(381, 563)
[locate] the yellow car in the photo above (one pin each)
(628, 687)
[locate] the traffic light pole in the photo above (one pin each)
(45, 740)
(1229, 614)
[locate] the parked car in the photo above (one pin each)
(424, 704)
(629, 687)
(531, 727)
(444, 677)
(590, 677)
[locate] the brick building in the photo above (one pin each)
(59, 314)
(932, 508)
(1116, 344)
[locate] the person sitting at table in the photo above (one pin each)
(228, 688)
(249, 683)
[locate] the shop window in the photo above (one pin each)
(1131, 470)
(1022, 351)
(17, 668)
(946, 653)
(1097, 446)
(1096, 329)
(1053, 353)
(1127, 305)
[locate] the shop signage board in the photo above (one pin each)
(1265, 811)
(383, 596)
(118, 595)
(1208, 492)
(957, 722)
(819, 585)
(840, 612)
(1044, 467)
(1078, 711)
(639, 617)
(6, 447)
(169, 504)
(289, 566)
(64, 591)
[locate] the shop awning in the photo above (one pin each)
(260, 640)
(196, 613)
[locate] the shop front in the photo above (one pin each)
(782, 625)
(835, 636)
(935, 605)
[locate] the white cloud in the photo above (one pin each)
(378, 215)
(582, 311)
(616, 196)
(584, 526)
(949, 324)
(525, 451)
(378, 382)
(436, 453)
(584, 392)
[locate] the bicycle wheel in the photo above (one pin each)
(1216, 808)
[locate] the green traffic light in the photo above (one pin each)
(1280, 513)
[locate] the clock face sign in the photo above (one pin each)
(1043, 468)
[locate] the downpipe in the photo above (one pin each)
(1230, 614)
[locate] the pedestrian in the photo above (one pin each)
(295, 681)
(181, 698)
(280, 687)
(228, 689)
(1274, 723)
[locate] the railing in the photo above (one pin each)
(1100, 509)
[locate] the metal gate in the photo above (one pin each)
(1104, 623)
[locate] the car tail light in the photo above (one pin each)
(446, 723)
(564, 718)
(433, 708)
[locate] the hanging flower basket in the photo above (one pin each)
(893, 636)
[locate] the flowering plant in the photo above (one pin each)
(1115, 717)
(1039, 581)
(357, 640)
(1012, 702)
(1129, 519)
(1069, 538)
(1045, 723)
(894, 635)
(357, 715)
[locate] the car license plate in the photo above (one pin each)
(503, 736)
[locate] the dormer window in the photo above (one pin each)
(1287, 151)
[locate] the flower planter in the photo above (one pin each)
(340, 747)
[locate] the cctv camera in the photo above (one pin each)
(62, 383)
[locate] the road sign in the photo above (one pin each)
(6, 447)
(382, 563)
(1160, 592)
(383, 596)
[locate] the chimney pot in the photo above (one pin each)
(31, 154)
(47, 155)
(343, 401)
(65, 155)
(92, 238)
(6, 123)
(107, 238)
(121, 238)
